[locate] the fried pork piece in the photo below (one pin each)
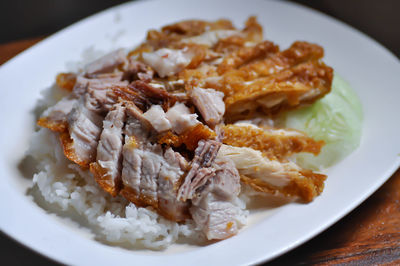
(167, 62)
(171, 35)
(189, 43)
(157, 118)
(98, 97)
(181, 118)
(261, 60)
(150, 175)
(136, 70)
(107, 168)
(250, 35)
(273, 143)
(143, 95)
(291, 88)
(81, 137)
(55, 117)
(95, 97)
(171, 171)
(189, 137)
(210, 104)
(273, 176)
(216, 209)
(297, 53)
(205, 155)
(246, 54)
(213, 186)
(78, 117)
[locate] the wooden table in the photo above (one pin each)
(368, 235)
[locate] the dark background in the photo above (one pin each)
(22, 19)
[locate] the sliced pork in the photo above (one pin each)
(150, 176)
(107, 168)
(213, 186)
(216, 208)
(81, 139)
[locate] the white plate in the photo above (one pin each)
(370, 69)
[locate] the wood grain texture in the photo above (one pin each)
(9, 50)
(368, 235)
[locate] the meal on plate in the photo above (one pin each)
(171, 140)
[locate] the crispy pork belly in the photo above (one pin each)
(298, 52)
(190, 137)
(99, 96)
(213, 186)
(172, 35)
(107, 168)
(205, 154)
(107, 63)
(196, 27)
(249, 36)
(273, 176)
(157, 118)
(150, 176)
(94, 91)
(155, 95)
(300, 85)
(247, 54)
(137, 133)
(218, 219)
(210, 104)
(151, 160)
(136, 70)
(80, 86)
(81, 139)
(167, 62)
(172, 169)
(137, 125)
(99, 101)
(273, 143)
(55, 117)
(210, 38)
(181, 118)
(142, 94)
